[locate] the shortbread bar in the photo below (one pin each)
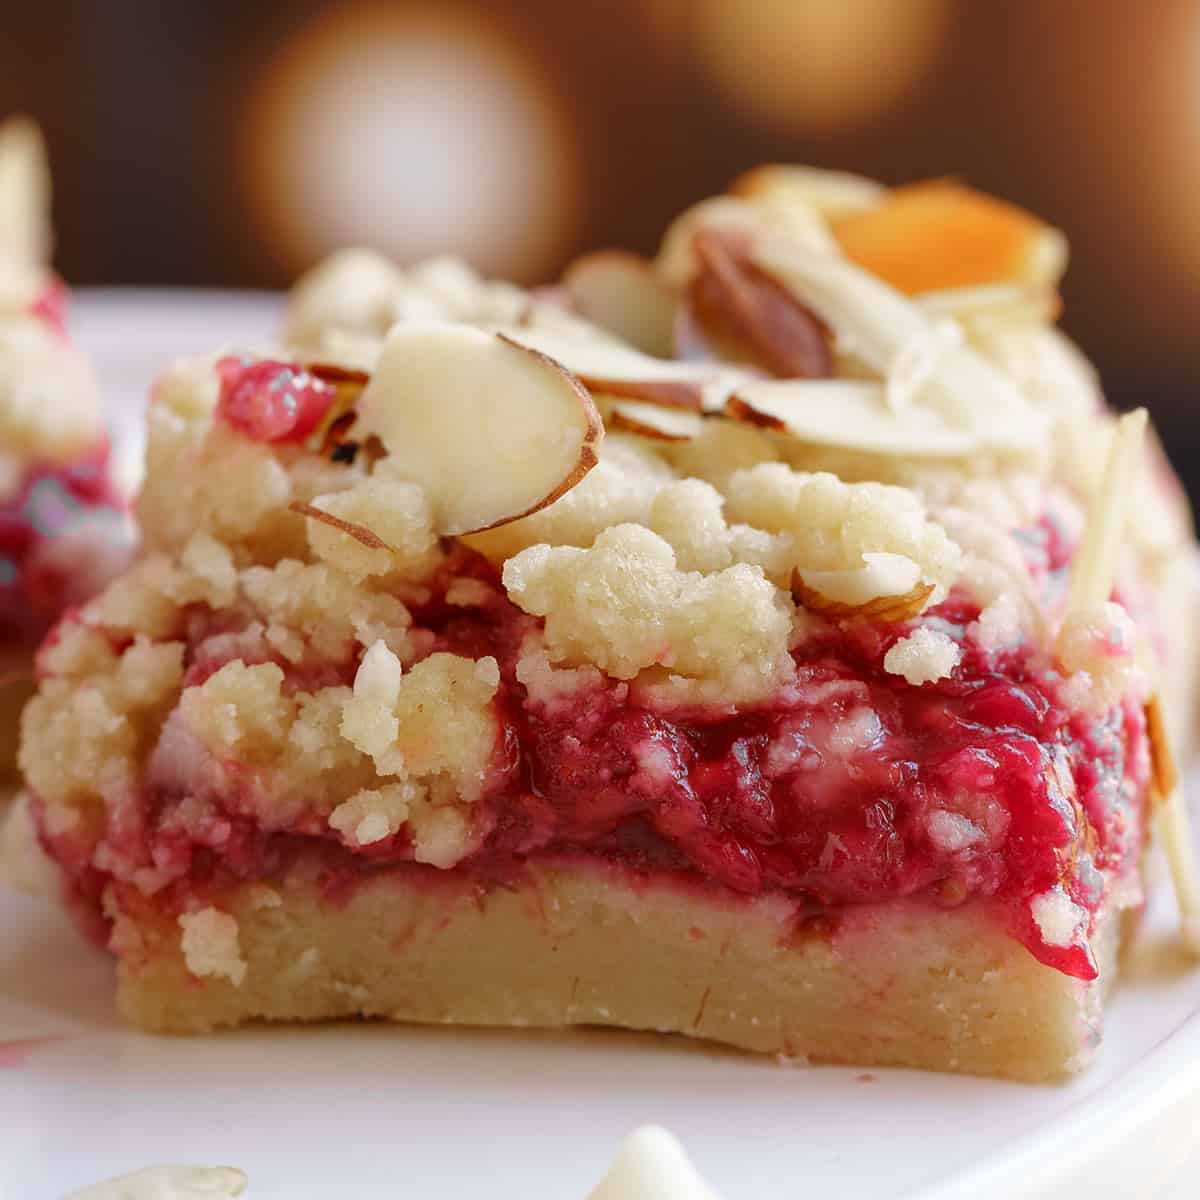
(777, 642)
(64, 526)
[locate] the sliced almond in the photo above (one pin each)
(491, 428)
(360, 533)
(743, 309)
(612, 369)
(676, 259)
(998, 303)
(887, 587)
(336, 373)
(832, 194)
(1164, 772)
(877, 326)
(622, 293)
(654, 421)
(941, 234)
(849, 414)
(24, 192)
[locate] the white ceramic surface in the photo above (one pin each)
(375, 1112)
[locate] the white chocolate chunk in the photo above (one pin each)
(652, 1165)
(851, 414)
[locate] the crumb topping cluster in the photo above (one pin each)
(423, 593)
(63, 531)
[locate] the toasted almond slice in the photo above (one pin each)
(613, 369)
(1001, 303)
(622, 293)
(876, 325)
(491, 429)
(736, 304)
(1164, 772)
(1095, 564)
(24, 192)
(887, 587)
(676, 262)
(847, 413)
(337, 373)
(941, 234)
(654, 421)
(360, 533)
(833, 194)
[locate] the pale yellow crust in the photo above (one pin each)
(895, 984)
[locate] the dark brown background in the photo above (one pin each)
(164, 121)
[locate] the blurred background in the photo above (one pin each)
(232, 143)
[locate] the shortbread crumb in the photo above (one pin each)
(924, 656)
(210, 945)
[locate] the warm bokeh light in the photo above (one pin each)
(415, 132)
(817, 66)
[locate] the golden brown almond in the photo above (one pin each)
(746, 313)
(622, 293)
(1164, 772)
(882, 608)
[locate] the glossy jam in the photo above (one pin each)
(849, 787)
(272, 401)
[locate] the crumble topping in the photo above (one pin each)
(361, 293)
(618, 490)
(240, 711)
(397, 513)
(924, 656)
(210, 945)
(49, 398)
(624, 605)
(828, 525)
(433, 720)
(1060, 920)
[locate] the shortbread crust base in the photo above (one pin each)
(902, 983)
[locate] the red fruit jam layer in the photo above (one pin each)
(37, 581)
(849, 787)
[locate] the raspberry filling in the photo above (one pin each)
(46, 512)
(272, 401)
(851, 786)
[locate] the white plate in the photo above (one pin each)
(375, 1112)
